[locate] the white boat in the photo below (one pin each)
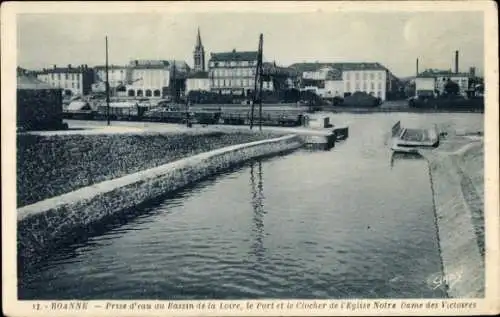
(410, 140)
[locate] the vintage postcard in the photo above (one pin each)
(250, 158)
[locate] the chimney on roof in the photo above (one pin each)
(69, 66)
(55, 66)
(234, 50)
(456, 62)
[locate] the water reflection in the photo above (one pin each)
(257, 201)
(404, 156)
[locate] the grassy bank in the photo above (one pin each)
(48, 166)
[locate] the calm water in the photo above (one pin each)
(353, 222)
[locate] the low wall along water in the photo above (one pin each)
(43, 225)
(460, 245)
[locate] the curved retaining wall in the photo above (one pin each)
(463, 264)
(41, 226)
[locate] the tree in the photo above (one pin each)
(451, 88)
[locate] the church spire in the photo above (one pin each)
(199, 54)
(198, 40)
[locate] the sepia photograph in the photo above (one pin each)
(223, 160)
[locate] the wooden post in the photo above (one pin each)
(261, 70)
(107, 83)
(257, 97)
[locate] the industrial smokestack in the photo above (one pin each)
(417, 66)
(456, 62)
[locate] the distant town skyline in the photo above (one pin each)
(393, 39)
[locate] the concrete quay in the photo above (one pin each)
(313, 138)
(460, 227)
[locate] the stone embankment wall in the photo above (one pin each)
(460, 227)
(52, 165)
(43, 225)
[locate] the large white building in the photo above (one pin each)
(154, 78)
(232, 72)
(118, 75)
(198, 81)
(326, 81)
(439, 79)
(371, 80)
(72, 80)
(341, 79)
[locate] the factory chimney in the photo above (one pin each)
(417, 66)
(456, 62)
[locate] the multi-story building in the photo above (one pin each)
(425, 86)
(72, 80)
(198, 81)
(325, 81)
(441, 78)
(118, 76)
(340, 79)
(156, 78)
(232, 72)
(371, 78)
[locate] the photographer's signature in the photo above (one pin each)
(445, 280)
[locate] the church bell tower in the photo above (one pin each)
(199, 55)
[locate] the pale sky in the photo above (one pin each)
(394, 39)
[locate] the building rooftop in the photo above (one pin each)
(29, 82)
(69, 69)
(234, 56)
(272, 68)
(102, 67)
(310, 67)
(447, 73)
(159, 64)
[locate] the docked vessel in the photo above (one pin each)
(410, 140)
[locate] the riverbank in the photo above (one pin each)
(456, 170)
(382, 108)
(45, 225)
(49, 165)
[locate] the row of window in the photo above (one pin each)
(66, 85)
(371, 93)
(112, 71)
(234, 72)
(364, 75)
(232, 83)
(365, 86)
(460, 82)
(66, 76)
(233, 63)
(141, 93)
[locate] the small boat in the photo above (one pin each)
(410, 140)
